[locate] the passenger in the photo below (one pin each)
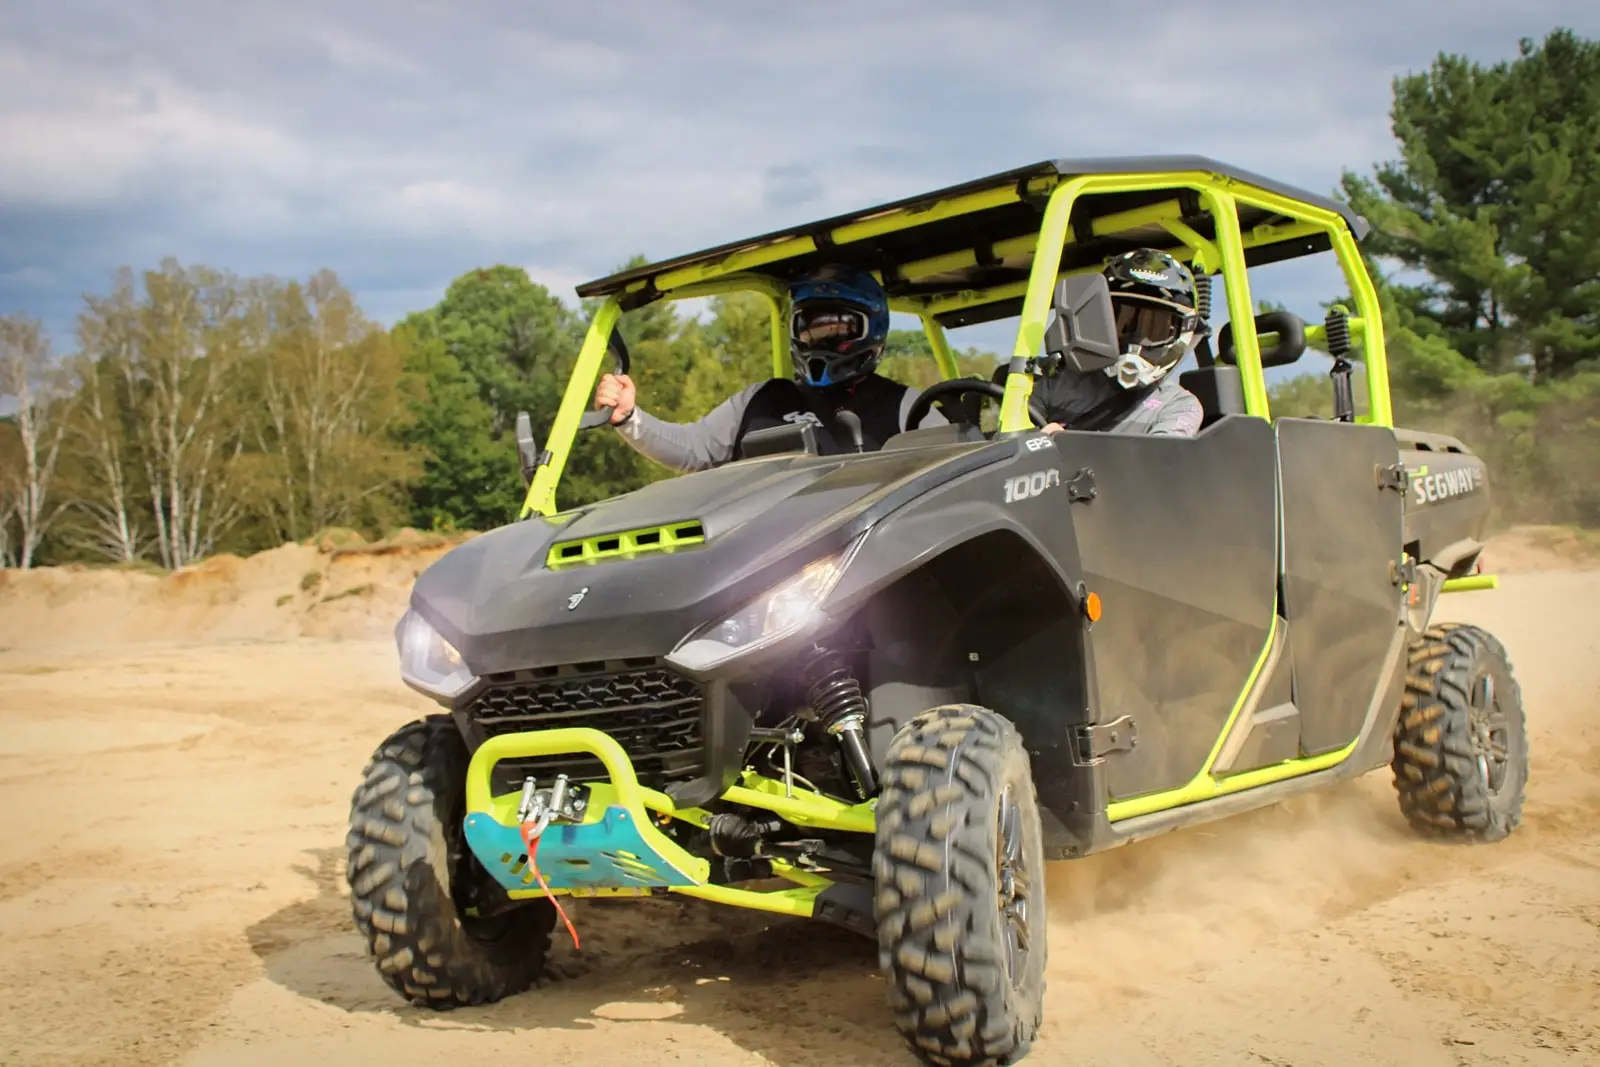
(838, 323)
(1158, 322)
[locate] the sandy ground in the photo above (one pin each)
(171, 879)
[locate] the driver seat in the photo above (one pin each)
(1219, 388)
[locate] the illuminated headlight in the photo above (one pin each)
(781, 612)
(428, 661)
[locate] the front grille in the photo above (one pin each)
(651, 711)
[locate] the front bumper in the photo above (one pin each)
(618, 848)
(615, 847)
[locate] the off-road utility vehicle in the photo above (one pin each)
(901, 681)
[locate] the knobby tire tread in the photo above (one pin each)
(940, 941)
(1435, 770)
(398, 870)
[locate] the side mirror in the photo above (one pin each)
(527, 448)
(1084, 332)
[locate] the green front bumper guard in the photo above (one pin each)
(617, 849)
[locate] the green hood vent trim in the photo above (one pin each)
(626, 545)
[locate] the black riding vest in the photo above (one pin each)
(875, 401)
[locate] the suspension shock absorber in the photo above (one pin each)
(836, 696)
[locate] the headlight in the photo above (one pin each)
(428, 661)
(783, 611)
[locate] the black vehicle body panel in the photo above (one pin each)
(1341, 591)
(495, 599)
(1447, 500)
(1252, 543)
(1181, 544)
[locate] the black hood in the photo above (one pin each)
(504, 608)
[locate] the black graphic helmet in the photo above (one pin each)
(1158, 316)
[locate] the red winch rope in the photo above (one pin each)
(532, 842)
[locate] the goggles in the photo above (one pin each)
(1147, 323)
(825, 324)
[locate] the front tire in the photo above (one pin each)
(1461, 747)
(959, 867)
(408, 868)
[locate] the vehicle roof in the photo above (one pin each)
(948, 235)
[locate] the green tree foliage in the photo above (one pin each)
(468, 478)
(511, 336)
(1496, 197)
(212, 413)
(908, 357)
(1540, 438)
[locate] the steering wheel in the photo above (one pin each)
(960, 386)
(619, 351)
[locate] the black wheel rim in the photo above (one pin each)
(1491, 735)
(1014, 888)
(468, 880)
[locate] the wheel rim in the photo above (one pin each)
(466, 877)
(1014, 888)
(1491, 735)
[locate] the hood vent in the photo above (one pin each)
(626, 545)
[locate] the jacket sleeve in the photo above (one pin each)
(689, 446)
(1179, 417)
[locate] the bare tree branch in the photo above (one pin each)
(43, 406)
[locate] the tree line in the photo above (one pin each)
(202, 412)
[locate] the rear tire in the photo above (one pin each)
(959, 867)
(1460, 747)
(408, 866)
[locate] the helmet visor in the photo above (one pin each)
(827, 325)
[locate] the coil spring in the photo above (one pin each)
(836, 696)
(834, 691)
(1202, 295)
(1337, 326)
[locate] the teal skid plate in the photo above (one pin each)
(609, 854)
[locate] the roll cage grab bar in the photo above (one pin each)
(1220, 195)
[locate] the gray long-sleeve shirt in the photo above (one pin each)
(1169, 410)
(709, 441)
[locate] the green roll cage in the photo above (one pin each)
(1151, 202)
(1079, 210)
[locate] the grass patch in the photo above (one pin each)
(310, 580)
(357, 590)
(336, 538)
(284, 599)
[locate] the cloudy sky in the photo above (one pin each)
(403, 142)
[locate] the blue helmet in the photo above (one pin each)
(838, 322)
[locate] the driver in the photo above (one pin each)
(838, 322)
(1158, 322)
